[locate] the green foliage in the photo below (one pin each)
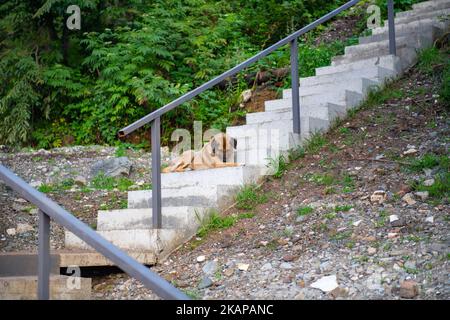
(344, 208)
(305, 210)
(249, 197)
(315, 143)
(278, 166)
(216, 222)
(130, 58)
(429, 161)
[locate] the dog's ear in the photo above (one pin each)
(213, 146)
(234, 143)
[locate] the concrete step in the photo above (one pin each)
(285, 114)
(13, 264)
(358, 84)
(437, 16)
(159, 242)
(427, 6)
(389, 62)
(89, 258)
(406, 29)
(232, 176)
(61, 288)
(141, 219)
(275, 135)
(215, 196)
(345, 98)
(414, 40)
(406, 49)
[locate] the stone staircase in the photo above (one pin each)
(188, 197)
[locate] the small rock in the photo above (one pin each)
(339, 292)
(80, 181)
(393, 218)
(23, 228)
(286, 266)
(201, 259)
(356, 223)
(326, 284)
(429, 219)
(423, 195)
(205, 283)
(264, 243)
(392, 235)
(246, 95)
(408, 198)
(428, 182)
(300, 296)
(210, 268)
(113, 167)
(267, 266)
(243, 266)
(410, 151)
(289, 258)
(378, 196)
(228, 272)
(11, 232)
(371, 251)
(409, 289)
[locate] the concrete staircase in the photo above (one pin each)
(18, 279)
(188, 197)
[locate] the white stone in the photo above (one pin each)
(428, 183)
(243, 266)
(429, 219)
(423, 195)
(410, 151)
(246, 95)
(357, 223)
(326, 284)
(393, 218)
(201, 259)
(378, 196)
(408, 198)
(11, 232)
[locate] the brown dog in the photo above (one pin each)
(217, 153)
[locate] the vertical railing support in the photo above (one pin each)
(156, 173)
(295, 87)
(391, 19)
(44, 257)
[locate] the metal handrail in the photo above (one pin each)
(155, 116)
(50, 209)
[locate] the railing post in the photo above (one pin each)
(44, 257)
(391, 18)
(295, 87)
(156, 173)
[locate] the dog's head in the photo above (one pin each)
(223, 146)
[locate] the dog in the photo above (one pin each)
(217, 153)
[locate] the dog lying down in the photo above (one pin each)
(217, 153)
